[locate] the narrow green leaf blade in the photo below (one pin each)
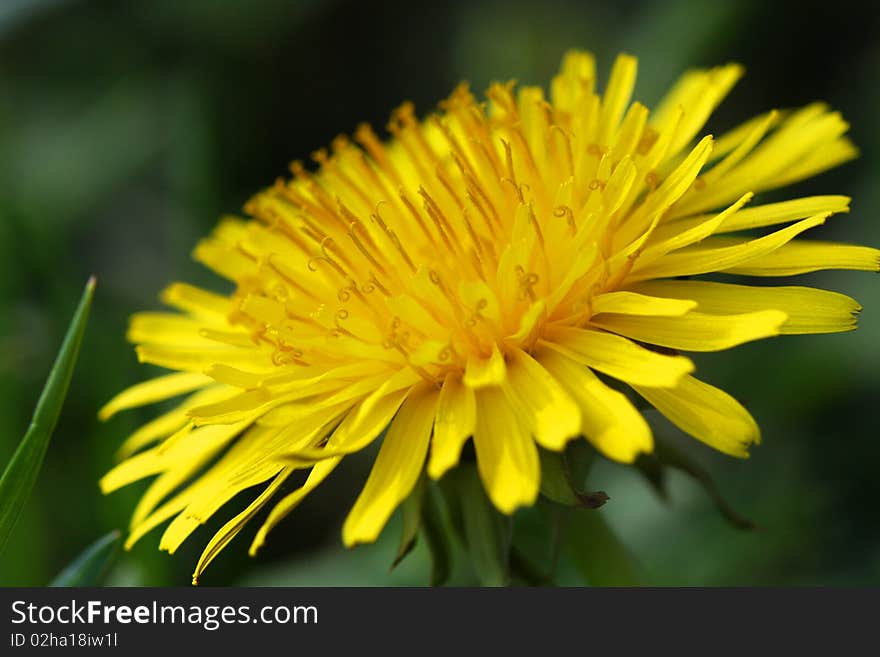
(599, 555)
(92, 563)
(21, 473)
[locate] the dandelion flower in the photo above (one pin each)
(483, 274)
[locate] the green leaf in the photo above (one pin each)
(557, 483)
(21, 472)
(437, 537)
(599, 555)
(666, 454)
(92, 563)
(412, 520)
(486, 532)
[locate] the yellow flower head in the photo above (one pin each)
(471, 278)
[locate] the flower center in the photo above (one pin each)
(463, 236)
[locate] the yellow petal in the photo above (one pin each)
(481, 371)
(453, 425)
(809, 310)
(318, 473)
(760, 216)
(187, 521)
(137, 467)
(608, 419)
(552, 415)
(619, 186)
(480, 298)
(812, 134)
(695, 331)
(577, 75)
(816, 161)
(530, 321)
(232, 528)
(507, 458)
(167, 482)
(706, 413)
(160, 427)
(375, 411)
(647, 216)
(662, 242)
(219, 253)
(173, 329)
(631, 130)
(632, 303)
(169, 422)
(396, 470)
(201, 499)
(720, 253)
(157, 459)
(247, 405)
(743, 148)
(784, 211)
(618, 356)
(698, 93)
(179, 468)
(575, 274)
(732, 139)
(429, 352)
(197, 302)
(617, 95)
(805, 256)
(160, 515)
(197, 359)
(372, 388)
(250, 461)
(359, 428)
(154, 390)
(413, 314)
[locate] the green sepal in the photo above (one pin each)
(412, 520)
(89, 568)
(436, 531)
(558, 482)
(21, 472)
(485, 531)
(668, 455)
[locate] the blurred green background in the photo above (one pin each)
(129, 127)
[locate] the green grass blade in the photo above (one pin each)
(21, 472)
(92, 563)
